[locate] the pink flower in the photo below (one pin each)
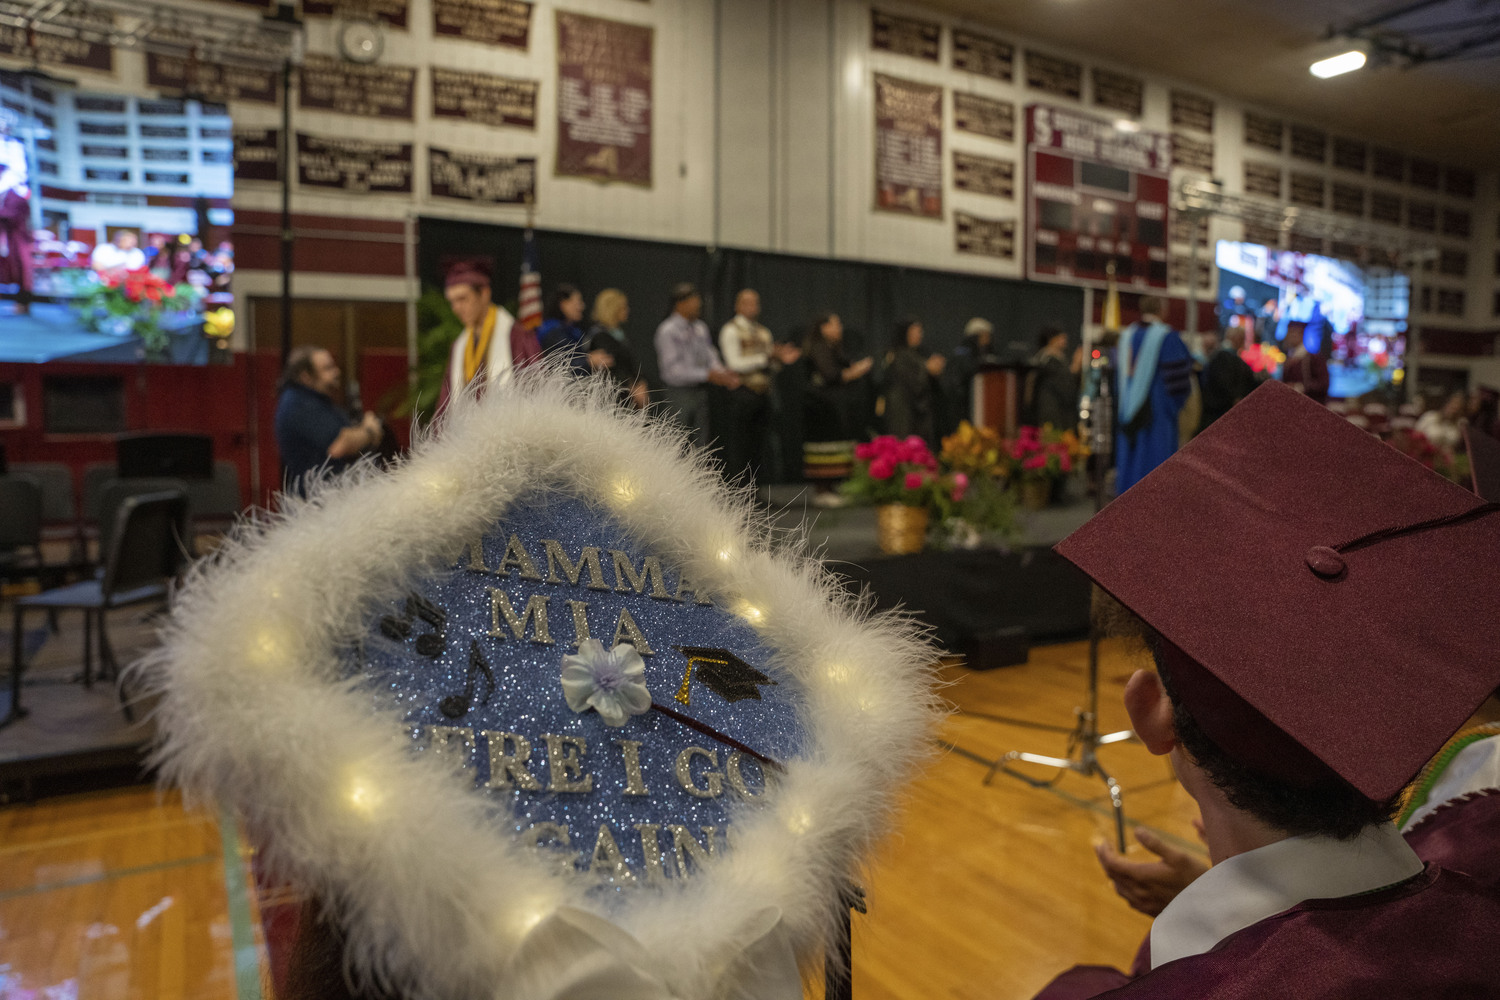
(883, 467)
(864, 452)
(1067, 463)
(1016, 451)
(960, 486)
(1035, 462)
(1030, 435)
(913, 480)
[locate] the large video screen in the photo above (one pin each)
(1355, 316)
(114, 225)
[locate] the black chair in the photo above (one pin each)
(146, 551)
(114, 492)
(20, 524)
(59, 507)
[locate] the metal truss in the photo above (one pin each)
(208, 36)
(1197, 197)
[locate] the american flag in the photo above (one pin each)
(530, 310)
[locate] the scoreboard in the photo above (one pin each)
(1097, 193)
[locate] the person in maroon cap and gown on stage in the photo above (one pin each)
(1297, 748)
(17, 267)
(493, 344)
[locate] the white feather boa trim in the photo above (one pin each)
(435, 900)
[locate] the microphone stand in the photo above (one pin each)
(1085, 739)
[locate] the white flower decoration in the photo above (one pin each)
(611, 682)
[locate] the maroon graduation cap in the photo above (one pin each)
(466, 271)
(1484, 463)
(1326, 602)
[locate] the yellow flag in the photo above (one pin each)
(1111, 318)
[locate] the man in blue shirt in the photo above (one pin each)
(313, 435)
(689, 362)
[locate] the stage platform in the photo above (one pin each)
(53, 332)
(986, 604)
(72, 738)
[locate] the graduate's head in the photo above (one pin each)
(686, 302)
(747, 304)
(1308, 711)
(467, 289)
(566, 304)
(1152, 305)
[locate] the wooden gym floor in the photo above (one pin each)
(980, 892)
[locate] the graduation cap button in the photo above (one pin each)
(1325, 562)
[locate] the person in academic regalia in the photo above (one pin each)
(1156, 380)
(1297, 746)
(911, 389)
(492, 345)
(17, 267)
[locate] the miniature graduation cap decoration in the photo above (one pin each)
(1484, 463)
(544, 698)
(1325, 603)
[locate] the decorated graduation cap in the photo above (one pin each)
(1325, 603)
(1484, 463)
(546, 707)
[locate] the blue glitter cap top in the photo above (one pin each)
(474, 658)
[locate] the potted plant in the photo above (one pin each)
(899, 478)
(134, 302)
(1041, 457)
(971, 499)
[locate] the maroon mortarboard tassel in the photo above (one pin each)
(1339, 589)
(1484, 463)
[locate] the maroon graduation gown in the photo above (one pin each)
(1463, 835)
(1433, 936)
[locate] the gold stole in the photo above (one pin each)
(478, 347)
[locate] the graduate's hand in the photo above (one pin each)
(1148, 886)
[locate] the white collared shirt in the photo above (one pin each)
(1258, 884)
(745, 345)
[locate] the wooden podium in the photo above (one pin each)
(998, 392)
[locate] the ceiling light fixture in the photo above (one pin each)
(1344, 62)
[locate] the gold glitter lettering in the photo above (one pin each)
(608, 863)
(713, 781)
(686, 846)
(536, 612)
(651, 851)
(589, 557)
(626, 578)
(516, 555)
(626, 630)
(508, 770)
(565, 764)
(580, 611)
(737, 780)
(634, 783)
(475, 545)
(454, 745)
(565, 861)
(685, 587)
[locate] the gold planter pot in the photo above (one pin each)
(1036, 494)
(900, 529)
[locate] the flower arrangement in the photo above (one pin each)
(1045, 454)
(139, 298)
(974, 451)
(889, 470)
(1450, 465)
(1263, 359)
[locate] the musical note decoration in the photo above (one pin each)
(456, 706)
(725, 674)
(398, 629)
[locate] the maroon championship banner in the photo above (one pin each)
(58, 51)
(257, 154)
(489, 180)
(983, 54)
(603, 99)
(376, 91)
(392, 12)
(1096, 195)
(212, 81)
(493, 22)
(483, 98)
(908, 147)
(355, 166)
